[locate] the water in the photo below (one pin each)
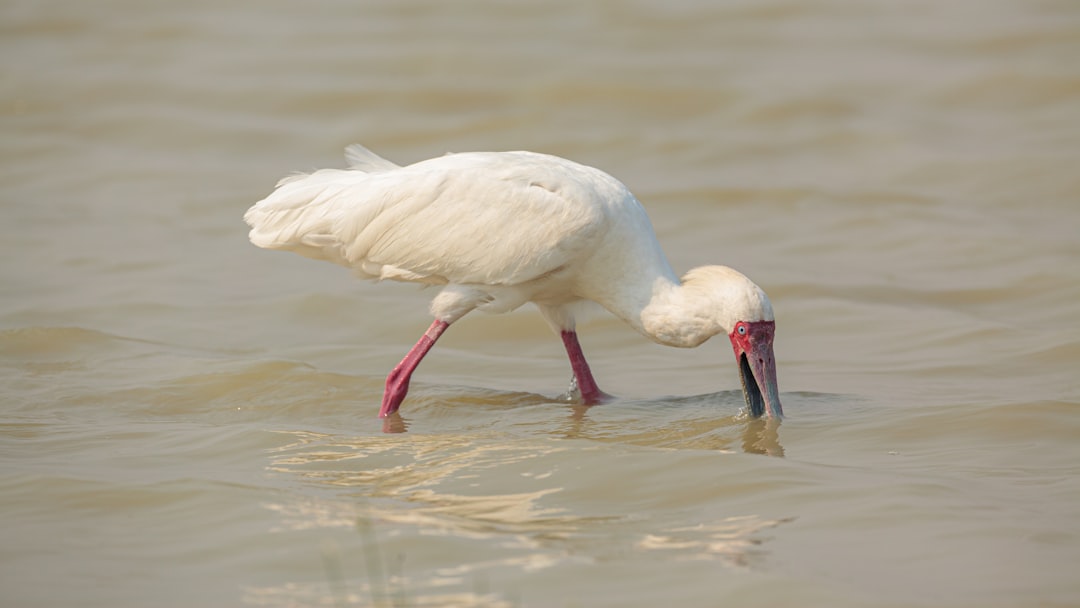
(190, 421)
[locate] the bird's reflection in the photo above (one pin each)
(394, 423)
(637, 422)
(758, 435)
(762, 436)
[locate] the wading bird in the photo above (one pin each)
(499, 229)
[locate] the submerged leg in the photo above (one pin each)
(590, 392)
(397, 383)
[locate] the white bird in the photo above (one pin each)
(499, 229)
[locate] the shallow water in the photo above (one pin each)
(190, 421)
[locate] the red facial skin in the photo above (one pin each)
(755, 340)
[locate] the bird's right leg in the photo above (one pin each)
(590, 392)
(397, 383)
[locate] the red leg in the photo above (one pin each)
(397, 383)
(590, 392)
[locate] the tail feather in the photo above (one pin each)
(303, 213)
(362, 159)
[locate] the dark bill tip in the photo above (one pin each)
(755, 402)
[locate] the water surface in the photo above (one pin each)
(187, 420)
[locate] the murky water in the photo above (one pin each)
(190, 421)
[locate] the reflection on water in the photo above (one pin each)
(762, 436)
(439, 486)
(900, 178)
(395, 490)
(733, 540)
(394, 423)
(693, 422)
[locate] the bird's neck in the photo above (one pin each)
(681, 313)
(709, 300)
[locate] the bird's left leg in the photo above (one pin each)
(452, 303)
(590, 392)
(397, 383)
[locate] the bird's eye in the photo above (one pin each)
(741, 329)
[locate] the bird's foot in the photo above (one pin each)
(591, 396)
(397, 387)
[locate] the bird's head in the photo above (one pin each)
(745, 313)
(753, 345)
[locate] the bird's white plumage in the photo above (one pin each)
(498, 229)
(508, 227)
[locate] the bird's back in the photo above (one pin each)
(484, 218)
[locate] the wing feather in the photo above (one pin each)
(475, 218)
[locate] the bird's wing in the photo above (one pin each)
(478, 218)
(490, 219)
